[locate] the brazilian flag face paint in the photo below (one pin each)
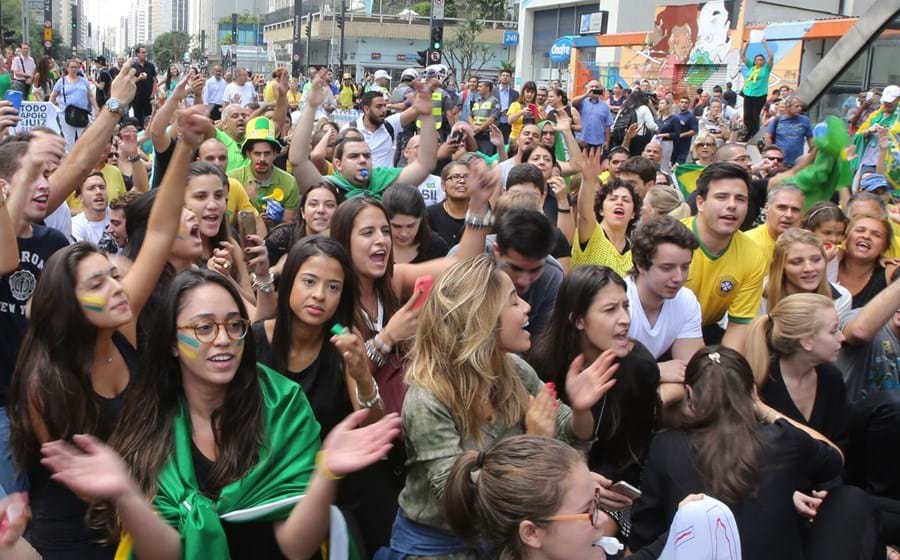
(93, 303)
(188, 345)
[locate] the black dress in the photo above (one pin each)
(767, 520)
(829, 412)
(877, 282)
(58, 529)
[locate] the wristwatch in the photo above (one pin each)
(113, 105)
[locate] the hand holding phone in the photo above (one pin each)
(423, 284)
(15, 97)
(246, 225)
(626, 490)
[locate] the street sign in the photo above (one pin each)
(510, 38)
(561, 50)
(48, 34)
(48, 23)
(401, 57)
(437, 9)
(48, 44)
(434, 57)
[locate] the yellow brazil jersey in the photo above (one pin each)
(600, 251)
(238, 201)
(893, 251)
(115, 187)
(760, 236)
(728, 282)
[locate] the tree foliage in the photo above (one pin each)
(464, 53)
(170, 47)
(12, 21)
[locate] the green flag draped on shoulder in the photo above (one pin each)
(380, 179)
(285, 468)
(686, 175)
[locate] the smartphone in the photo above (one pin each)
(246, 225)
(134, 62)
(15, 97)
(456, 136)
(626, 490)
(424, 283)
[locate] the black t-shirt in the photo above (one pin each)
(434, 248)
(322, 381)
(767, 521)
(104, 81)
(161, 163)
(445, 225)
(15, 291)
(620, 447)
(829, 412)
(561, 247)
(146, 87)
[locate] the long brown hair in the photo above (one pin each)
(489, 495)
(776, 284)
(455, 353)
(723, 423)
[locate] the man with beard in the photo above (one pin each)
(725, 274)
(90, 224)
(356, 172)
(272, 191)
(784, 209)
(379, 130)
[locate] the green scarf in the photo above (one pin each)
(379, 181)
(285, 467)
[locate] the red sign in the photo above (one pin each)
(401, 57)
(376, 56)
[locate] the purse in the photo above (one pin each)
(76, 117)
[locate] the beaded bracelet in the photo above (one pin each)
(480, 222)
(373, 354)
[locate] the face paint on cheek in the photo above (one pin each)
(93, 303)
(187, 345)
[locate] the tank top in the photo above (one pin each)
(876, 283)
(58, 527)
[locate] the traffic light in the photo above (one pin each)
(422, 58)
(339, 20)
(437, 36)
(9, 36)
(309, 27)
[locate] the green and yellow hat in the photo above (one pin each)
(261, 128)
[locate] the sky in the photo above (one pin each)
(106, 12)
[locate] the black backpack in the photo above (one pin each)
(626, 117)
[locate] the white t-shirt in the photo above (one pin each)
(380, 142)
(679, 318)
(83, 230)
(61, 220)
(247, 93)
(432, 191)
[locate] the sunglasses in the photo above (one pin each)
(778, 159)
(706, 144)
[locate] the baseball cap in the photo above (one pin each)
(487, 81)
(260, 128)
(100, 60)
(890, 94)
(382, 74)
(874, 182)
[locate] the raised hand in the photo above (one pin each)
(558, 186)
(496, 135)
(256, 255)
(586, 386)
(193, 124)
(593, 165)
(91, 469)
(316, 95)
(422, 102)
(351, 347)
(221, 258)
(43, 151)
(196, 84)
(402, 325)
(540, 418)
(482, 185)
(563, 122)
(349, 448)
(124, 86)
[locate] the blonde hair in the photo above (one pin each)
(778, 332)
(456, 354)
(703, 137)
(776, 286)
(516, 199)
(665, 201)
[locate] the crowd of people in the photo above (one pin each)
(470, 323)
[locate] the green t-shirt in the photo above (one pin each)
(235, 158)
(379, 181)
(756, 83)
(277, 180)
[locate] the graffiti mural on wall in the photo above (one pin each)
(704, 35)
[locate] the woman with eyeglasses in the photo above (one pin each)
(447, 219)
(78, 359)
(745, 453)
(530, 498)
(206, 432)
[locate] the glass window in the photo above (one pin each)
(885, 69)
